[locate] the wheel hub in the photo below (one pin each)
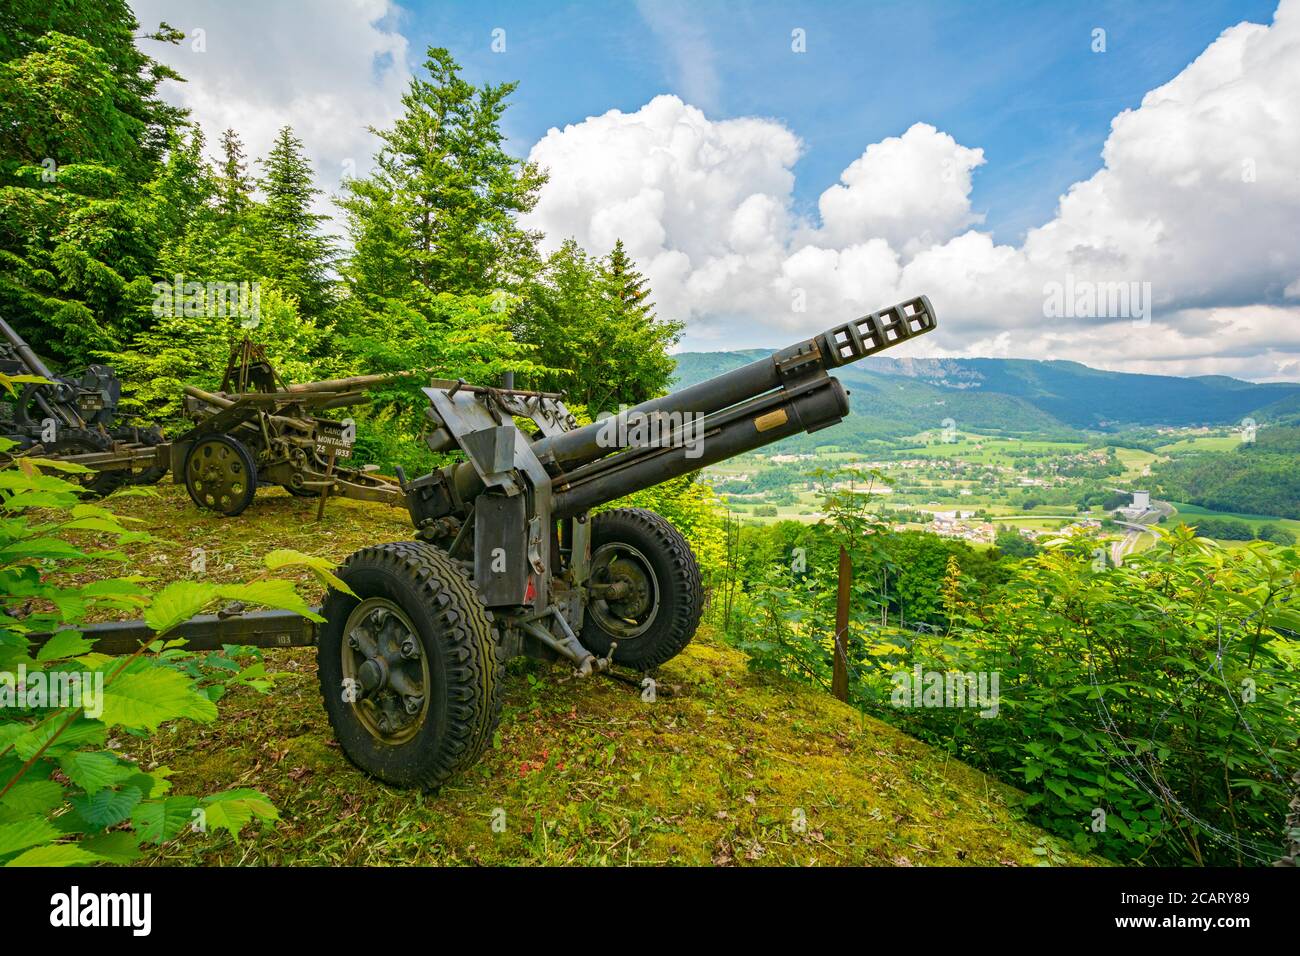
(629, 597)
(383, 657)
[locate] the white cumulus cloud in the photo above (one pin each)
(1197, 202)
(329, 70)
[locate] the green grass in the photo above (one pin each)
(988, 450)
(1135, 461)
(1201, 443)
(720, 769)
(1189, 513)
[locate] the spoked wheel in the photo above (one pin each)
(646, 591)
(409, 665)
(220, 474)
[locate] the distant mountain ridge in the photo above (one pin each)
(1021, 395)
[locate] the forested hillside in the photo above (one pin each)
(1258, 477)
(1022, 395)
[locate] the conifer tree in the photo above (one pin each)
(439, 210)
(234, 189)
(630, 286)
(297, 254)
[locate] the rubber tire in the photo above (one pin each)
(79, 441)
(681, 595)
(245, 457)
(459, 639)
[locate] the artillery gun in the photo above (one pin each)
(509, 560)
(76, 419)
(258, 429)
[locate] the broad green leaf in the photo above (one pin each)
(33, 796)
(233, 810)
(323, 568)
(178, 602)
(39, 548)
(62, 645)
(56, 464)
(145, 699)
(92, 771)
(56, 854)
(36, 499)
(121, 846)
(106, 807)
(277, 594)
(152, 784)
(157, 821)
(25, 833)
(114, 587)
(81, 732)
(94, 524)
(11, 479)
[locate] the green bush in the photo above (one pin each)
(1160, 694)
(1147, 711)
(70, 793)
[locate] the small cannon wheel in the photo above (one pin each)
(220, 474)
(410, 668)
(647, 594)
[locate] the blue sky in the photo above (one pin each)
(1017, 79)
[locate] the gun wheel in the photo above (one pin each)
(220, 474)
(646, 591)
(409, 665)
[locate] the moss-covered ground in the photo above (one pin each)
(726, 766)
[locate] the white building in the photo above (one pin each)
(1141, 501)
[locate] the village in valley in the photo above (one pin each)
(981, 488)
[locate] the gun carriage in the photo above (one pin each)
(509, 558)
(258, 429)
(76, 419)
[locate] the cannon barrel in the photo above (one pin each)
(841, 345)
(784, 394)
(692, 445)
(351, 384)
(25, 352)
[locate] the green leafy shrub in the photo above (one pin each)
(1160, 694)
(70, 793)
(1148, 711)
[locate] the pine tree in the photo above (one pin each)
(297, 254)
(629, 285)
(234, 189)
(82, 131)
(439, 208)
(595, 326)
